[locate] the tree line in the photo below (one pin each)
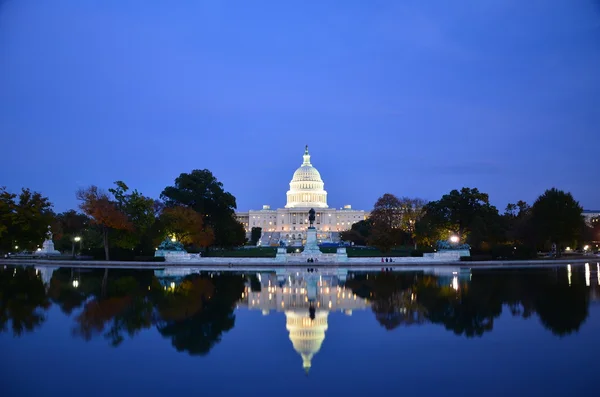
(195, 210)
(554, 219)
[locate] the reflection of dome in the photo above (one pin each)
(306, 335)
(306, 187)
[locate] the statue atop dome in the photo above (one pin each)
(306, 156)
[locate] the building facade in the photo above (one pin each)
(289, 224)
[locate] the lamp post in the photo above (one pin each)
(75, 240)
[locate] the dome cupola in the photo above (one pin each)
(306, 187)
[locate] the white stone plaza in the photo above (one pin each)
(290, 224)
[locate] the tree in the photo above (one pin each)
(466, 213)
(140, 211)
(386, 219)
(103, 212)
(203, 193)
(67, 225)
(412, 211)
(7, 213)
(359, 233)
(24, 219)
(187, 226)
(255, 234)
(557, 218)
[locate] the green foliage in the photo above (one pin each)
(466, 213)
(24, 219)
(140, 211)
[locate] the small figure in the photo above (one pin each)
(311, 217)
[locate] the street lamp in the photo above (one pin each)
(76, 239)
(454, 239)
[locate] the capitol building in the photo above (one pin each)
(289, 224)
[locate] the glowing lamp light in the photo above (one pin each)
(75, 283)
(173, 239)
(454, 239)
(587, 247)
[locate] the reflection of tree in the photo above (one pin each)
(63, 293)
(563, 309)
(471, 309)
(23, 300)
(120, 305)
(200, 311)
(393, 299)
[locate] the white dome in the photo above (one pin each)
(306, 187)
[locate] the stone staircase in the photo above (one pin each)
(269, 239)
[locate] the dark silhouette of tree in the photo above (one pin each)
(557, 218)
(466, 213)
(386, 220)
(203, 193)
(255, 234)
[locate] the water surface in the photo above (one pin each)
(96, 332)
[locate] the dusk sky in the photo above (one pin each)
(413, 98)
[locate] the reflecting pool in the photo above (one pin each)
(99, 332)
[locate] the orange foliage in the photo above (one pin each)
(97, 205)
(186, 300)
(188, 226)
(96, 314)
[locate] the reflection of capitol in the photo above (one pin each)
(306, 299)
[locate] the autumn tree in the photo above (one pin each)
(187, 226)
(103, 212)
(557, 218)
(386, 219)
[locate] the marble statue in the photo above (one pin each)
(47, 246)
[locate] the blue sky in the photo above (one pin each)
(413, 98)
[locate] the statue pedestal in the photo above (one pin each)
(281, 255)
(311, 248)
(341, 255)
(47, 249)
